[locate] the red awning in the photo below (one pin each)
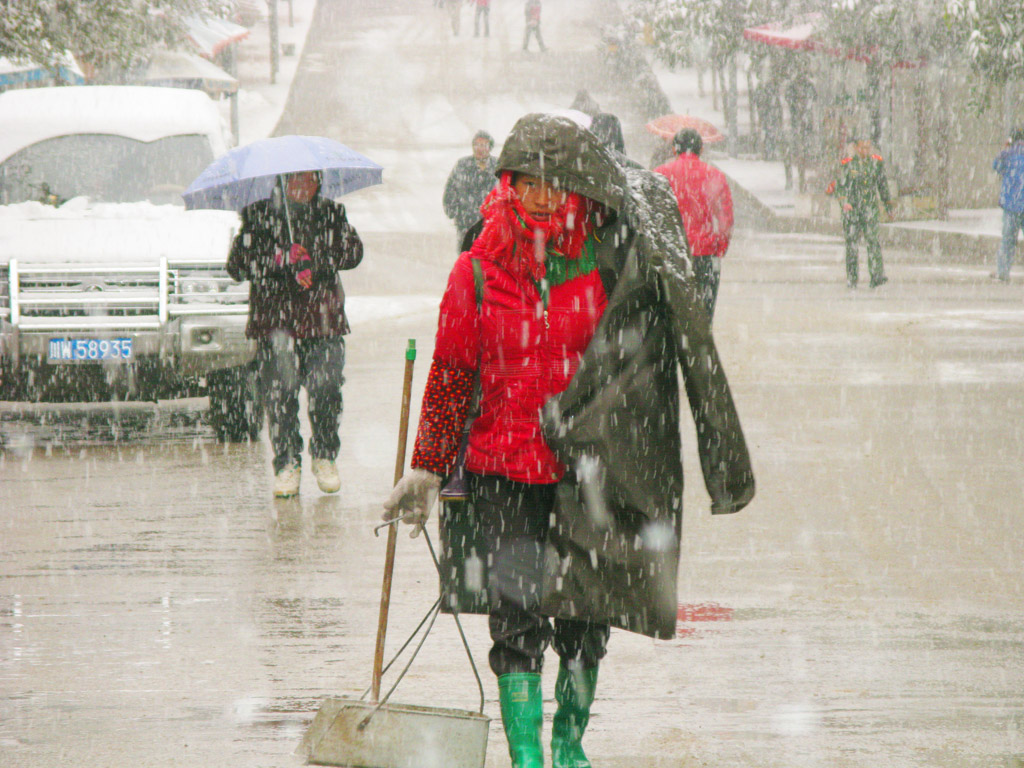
(211, 36)
(800, 36)
(797, 36)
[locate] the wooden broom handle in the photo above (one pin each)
(389, 557)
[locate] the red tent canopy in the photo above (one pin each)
(800, 36)
(797, 36)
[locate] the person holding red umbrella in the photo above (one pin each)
(705, 204)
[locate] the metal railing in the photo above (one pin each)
(122, 297)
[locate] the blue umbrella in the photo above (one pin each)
(250, 173)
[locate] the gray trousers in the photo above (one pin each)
(286, 364)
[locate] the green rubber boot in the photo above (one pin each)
(522, 714)
(574, 692)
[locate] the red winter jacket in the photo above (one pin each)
(527, 350)
(704, 203)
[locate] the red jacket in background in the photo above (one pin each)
(705, 203)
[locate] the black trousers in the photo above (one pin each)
(284, 365)
(482, 11)
(535, 31)
(515, 519)
(708, 270)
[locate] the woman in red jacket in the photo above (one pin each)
(541, 300)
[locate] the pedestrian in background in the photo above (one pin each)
(532, 13)
(861, 189)
(468, 184)
(1010, 167)
(290, 249)
(705, 205)
(483, 11)
(519, 313)
(454, 14)
(604, 125)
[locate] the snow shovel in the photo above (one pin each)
(357, 733)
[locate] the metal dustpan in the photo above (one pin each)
(357, 733)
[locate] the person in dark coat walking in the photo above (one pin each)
(468, 184)
(570, 281)
(860, 188)
(705, 205)
(290, 249)
(604, 125)
(1010, 167)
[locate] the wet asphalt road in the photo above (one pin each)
(158, 608)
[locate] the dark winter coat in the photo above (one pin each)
(276, 300)
(465, 190)
(613, 551)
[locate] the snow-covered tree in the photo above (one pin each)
(99, 32)
(889, 32)
(992, 33)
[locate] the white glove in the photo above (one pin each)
(412, 499)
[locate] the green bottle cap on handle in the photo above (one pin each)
(410, 352)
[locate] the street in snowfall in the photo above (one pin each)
(159, 608)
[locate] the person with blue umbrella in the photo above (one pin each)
(293, 241)
(290, 249)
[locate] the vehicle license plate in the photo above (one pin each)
(66, 350)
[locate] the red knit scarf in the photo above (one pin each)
(518, 242)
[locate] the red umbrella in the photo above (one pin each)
(668, 126)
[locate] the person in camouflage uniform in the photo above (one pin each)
(860, 187)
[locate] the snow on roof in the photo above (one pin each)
(211, 36)
(143, 113)
(797, 36)
(180, 69)
(17, 72)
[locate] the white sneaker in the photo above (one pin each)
(326, 475)
(286, 482)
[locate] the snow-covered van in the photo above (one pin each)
(108, 287)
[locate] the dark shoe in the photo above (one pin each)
(851, 284)
(880, 281)
(574, 692)
(522, 715)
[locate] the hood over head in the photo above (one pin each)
(558, 149)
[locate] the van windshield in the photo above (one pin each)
(110, 169)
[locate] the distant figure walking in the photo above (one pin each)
(705, 205)
(468, 184)
(483, 11)
(533, 25)
(859, 188)
(604, 125)
(454, 11)
(1010, 166)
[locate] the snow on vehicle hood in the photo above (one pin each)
(111, 233)
(140, 112)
